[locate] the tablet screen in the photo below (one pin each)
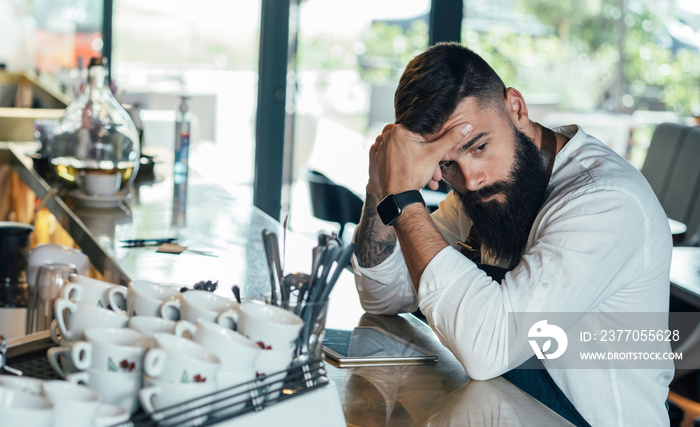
(370, 345)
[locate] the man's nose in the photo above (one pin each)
(474, 178)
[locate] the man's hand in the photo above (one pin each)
(401, 160)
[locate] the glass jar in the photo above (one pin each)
(96, 144)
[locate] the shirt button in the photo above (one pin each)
(545, 285)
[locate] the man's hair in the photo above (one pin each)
(435, 81)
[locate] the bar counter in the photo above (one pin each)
(435, 395)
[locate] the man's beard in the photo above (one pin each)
(504, 226)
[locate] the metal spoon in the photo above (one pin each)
(270, 266)
(284, 240)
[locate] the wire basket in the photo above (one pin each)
(244, 398)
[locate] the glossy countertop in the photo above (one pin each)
(436, 395)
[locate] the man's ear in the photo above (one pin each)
(516, 108)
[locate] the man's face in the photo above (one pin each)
(501, 180)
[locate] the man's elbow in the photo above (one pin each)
(481, 368)
(382, 308)
(482, 374)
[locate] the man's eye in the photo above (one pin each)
(481, 147)
(445, 165)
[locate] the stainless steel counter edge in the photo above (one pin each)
(14, 154)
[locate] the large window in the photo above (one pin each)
(350, 57)
(207, 49)
(617, 66)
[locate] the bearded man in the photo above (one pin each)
(575, 227)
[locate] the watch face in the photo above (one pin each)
(388, 210)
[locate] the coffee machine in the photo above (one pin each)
(14, 292)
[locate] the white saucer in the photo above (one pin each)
(96, 201)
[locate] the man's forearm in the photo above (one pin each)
(420, 239)
(374, 241)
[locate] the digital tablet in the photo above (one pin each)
(369, 345)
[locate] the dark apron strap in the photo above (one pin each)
(532, 378)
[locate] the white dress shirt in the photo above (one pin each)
(600, 243)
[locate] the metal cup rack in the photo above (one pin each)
(250, 397)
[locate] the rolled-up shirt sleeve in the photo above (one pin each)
(386, 288)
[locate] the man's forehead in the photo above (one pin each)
(468, 111)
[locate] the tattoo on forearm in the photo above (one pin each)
(374, 241)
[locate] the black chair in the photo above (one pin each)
(333, 202)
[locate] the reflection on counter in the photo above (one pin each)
(432, 395)
(495, 402)
(391, 393)
(103, 222)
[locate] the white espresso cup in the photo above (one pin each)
(24, 409)
(96, 292)
(163, 400)
(150, 325)
(273, 365)
(24, 384)
(144, 298)
(61, 360)
(179, 360)
(74, 318)
(75, 405)
(110, 415)
(196, 304)
(102, 183)
(269, 326)
(235, 351)
(111, 350)
(115, 388)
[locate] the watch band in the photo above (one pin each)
(392, 205)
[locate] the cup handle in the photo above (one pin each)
(183, 326)
(146, 395)
(170, 309)
(117, 299)
(81, 355)
(153, 362)
(228, 319)
(53, 354)
(53, 329)
(72, 291)
(79, 378)
(61, 305)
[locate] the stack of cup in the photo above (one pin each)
(149, 345)
(74, 405)
(87, 302)
(72, 320)
(111, 362)
(178, 371)
(238, 357)
(275, 330)
(54, 403)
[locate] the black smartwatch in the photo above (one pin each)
(392, 205)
